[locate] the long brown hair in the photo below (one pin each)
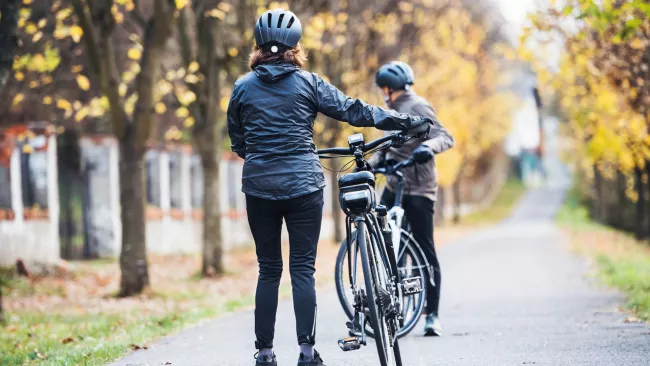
(263, 55)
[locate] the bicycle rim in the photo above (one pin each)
(412, 265)
(371, 278)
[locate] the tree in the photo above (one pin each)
(602, 86)
(206, 44)
(131, 118)
(8, 44)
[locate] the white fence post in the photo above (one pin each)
(16, 188)
(53, 194)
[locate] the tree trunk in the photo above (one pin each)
(8, 39)
(456, 189)
(440, 207)
(2, 312)
(640, 230)
(647, 184)
(212, 242)
(336, 208)
(133, 258)
(598, 203)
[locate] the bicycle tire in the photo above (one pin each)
(370, 278)
(341, 262)
(383, 266)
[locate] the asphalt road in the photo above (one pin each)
(513, 294)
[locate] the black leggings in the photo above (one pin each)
(419, 213)
(303, 216)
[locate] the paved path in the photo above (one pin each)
(513, 294)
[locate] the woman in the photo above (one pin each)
(270, 122)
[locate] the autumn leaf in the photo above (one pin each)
(180, 4)
(47, 100)
(19, 76)
(63, 104)
(134, 54)
(223, 103)
(76, 32)
(637, 44)
(193, 67)
(182, 112)
(18, 99)
(31, 28)
(83, 82)
(191, 79)
(160, 108)
(215, 13)
(82, 113)
(189, 122)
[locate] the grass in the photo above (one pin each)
(76, 319)
(501, 208)
(86, 339)
(622, 261)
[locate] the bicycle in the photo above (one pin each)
(412, 262)
(378, 302)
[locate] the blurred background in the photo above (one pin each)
(113, 141)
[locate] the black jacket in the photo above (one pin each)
(270, 122)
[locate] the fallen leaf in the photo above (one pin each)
(67, 340)
(631, 319)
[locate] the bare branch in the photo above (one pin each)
(136, 14)
(89, 36)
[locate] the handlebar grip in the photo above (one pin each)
(422, 128)
(373, 144)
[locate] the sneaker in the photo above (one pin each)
(316, 361)
(432, 326)
(265, 360)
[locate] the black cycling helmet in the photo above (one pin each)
(278, 27)
(395, 75)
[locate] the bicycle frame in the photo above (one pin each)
(396, 217)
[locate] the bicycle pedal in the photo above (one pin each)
(412, 285)
(349, 344)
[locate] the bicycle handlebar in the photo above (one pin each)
(348, 151)
(392, 170)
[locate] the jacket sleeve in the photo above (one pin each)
(235, 126)
(438, 139)
(335, 104)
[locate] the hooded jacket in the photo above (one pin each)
(270, 122)
(420, 180)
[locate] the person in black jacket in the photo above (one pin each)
(270, 122)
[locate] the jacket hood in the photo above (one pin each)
(271, 73)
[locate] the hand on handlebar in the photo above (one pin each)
(422, 154)
(421, 127)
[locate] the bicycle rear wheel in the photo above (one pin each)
(410, 264)
(371, 279)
